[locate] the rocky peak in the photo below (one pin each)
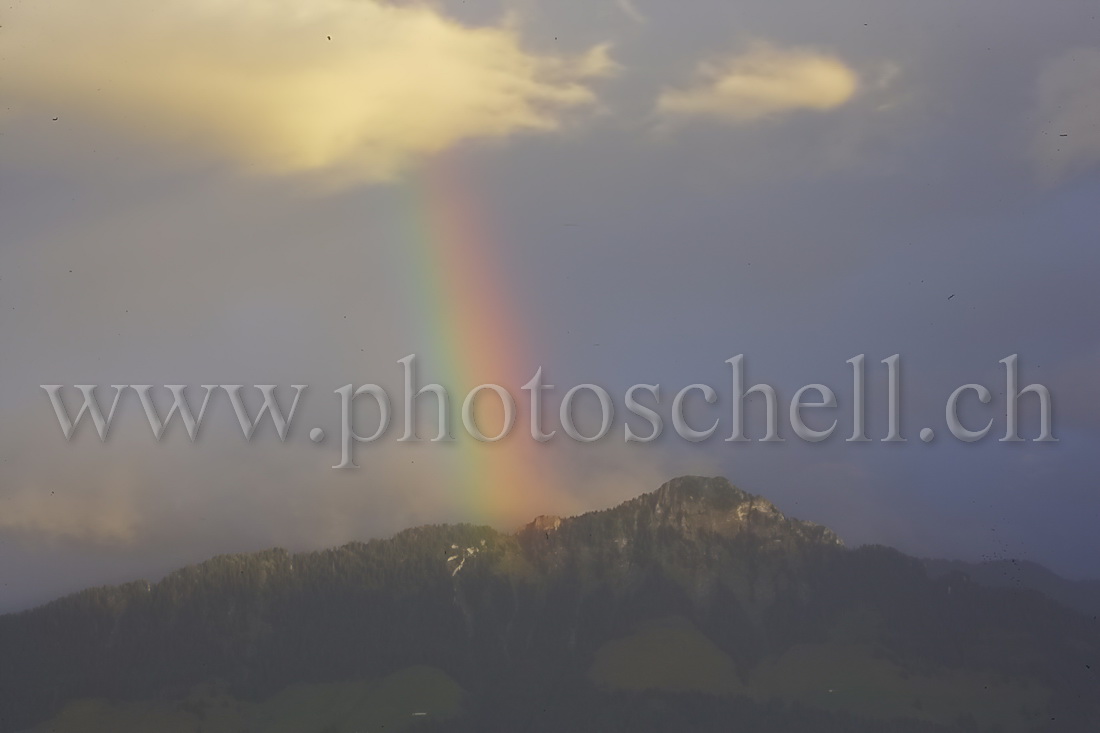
(701, 494)
(544, 523)
(700, 504)
(693, 507)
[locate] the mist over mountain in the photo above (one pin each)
(695, 607)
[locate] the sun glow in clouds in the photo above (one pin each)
(351, 88)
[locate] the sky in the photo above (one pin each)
(621, 192)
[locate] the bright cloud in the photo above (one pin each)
(763, 82)
(1069, 113)
(351, 88)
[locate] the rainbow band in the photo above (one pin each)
(474, 337)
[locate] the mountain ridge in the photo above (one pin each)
(1080, 595)
(547, 616)
(690, 499)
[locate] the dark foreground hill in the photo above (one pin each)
(697, 607)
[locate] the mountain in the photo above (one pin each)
(1082, 595)
(698, 607)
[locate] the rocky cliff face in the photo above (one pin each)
(690, 510)
(700, 533)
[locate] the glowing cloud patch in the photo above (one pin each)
(764, 82)
(104, 516)
(354, 88)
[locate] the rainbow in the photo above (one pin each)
(472, 327)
